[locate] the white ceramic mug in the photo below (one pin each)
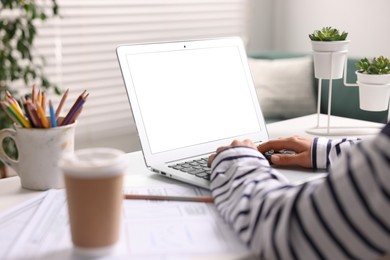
(39, 153)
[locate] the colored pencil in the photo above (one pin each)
(39, 98)
(12, 101)
(34, 114)
(13, 119)
(170, 198)
(19, 115)
(33, 97)
(52, 115)
(78, 109)
(76, 106)
(13, 114)
(72, 115)
(76, 115)
(42, 116)
(28, 114)
(61, 104)
(43, 102)
(13, 105)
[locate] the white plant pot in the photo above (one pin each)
(329, 58)
(374, 91)
(382, 79)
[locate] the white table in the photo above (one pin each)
(11, 192)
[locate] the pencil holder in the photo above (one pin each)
(39, 152)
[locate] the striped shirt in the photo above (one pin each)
(345, 215)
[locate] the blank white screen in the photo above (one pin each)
(189, 97)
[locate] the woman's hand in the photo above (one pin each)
(245, 142)
(300, 145)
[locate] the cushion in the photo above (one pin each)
(284, 86)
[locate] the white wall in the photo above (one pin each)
(367, 23)
(260, 25)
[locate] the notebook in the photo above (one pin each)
(188, 98)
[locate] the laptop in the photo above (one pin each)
(188, 98)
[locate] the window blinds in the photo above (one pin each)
(80, 53)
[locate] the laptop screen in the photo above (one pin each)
(192, 96)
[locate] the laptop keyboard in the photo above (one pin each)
(197, 168)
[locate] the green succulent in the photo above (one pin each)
(328, 34)
(377, 65)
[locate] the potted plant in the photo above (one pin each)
(18, 21)
(373, 79)
(329, 52)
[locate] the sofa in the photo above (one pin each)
(286, 88)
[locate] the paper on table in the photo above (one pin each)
(177, 228)
(151, 229)
(14, 221)
(46, 236)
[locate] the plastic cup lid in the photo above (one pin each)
(94, 162)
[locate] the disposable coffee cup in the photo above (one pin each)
(93, 182)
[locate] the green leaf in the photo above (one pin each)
(45, 83)
(43, 16)
(55, 8)
(12, 29)
(377, 65)
(17, 39)
(328, 34)
(57, 90)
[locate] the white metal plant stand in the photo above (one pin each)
(337, 130)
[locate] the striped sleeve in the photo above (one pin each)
(344, 215)
(325, 151)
